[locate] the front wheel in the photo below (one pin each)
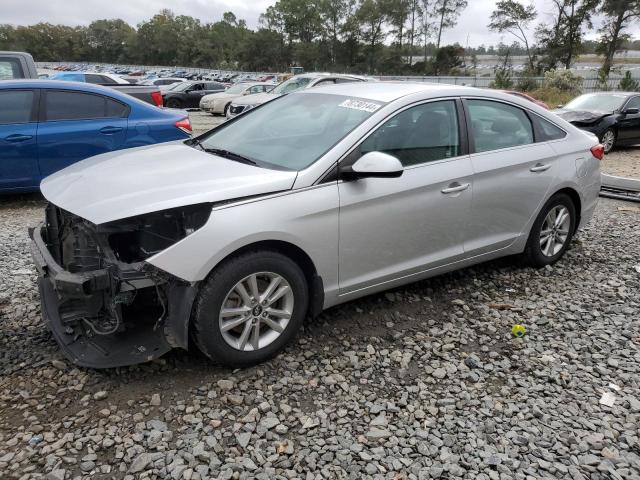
(608, 140)
(551, 232)
(249, 308)
(173, 103)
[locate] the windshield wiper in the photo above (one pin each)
(230, 155)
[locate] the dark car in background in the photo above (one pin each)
(614, 117)
(46, 125)
(188, 94)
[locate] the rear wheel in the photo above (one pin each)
(174, 103)
(250, 308)
(608, 140)
(551, 232)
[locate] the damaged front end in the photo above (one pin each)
(106, 306)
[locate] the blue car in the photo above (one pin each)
(47, 125)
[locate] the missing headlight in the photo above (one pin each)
(137, 238)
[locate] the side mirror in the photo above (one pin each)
(560, 105)
(373, 164)
(631, 111)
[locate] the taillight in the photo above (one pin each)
(598, 151)
(184, 125)
(157, 98)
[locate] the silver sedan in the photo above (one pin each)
(308, 201)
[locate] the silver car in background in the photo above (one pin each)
(316, 198)
(298, 82)
(218, 103)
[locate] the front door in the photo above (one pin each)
(398, 227)
(511, 174)
(76, 125)
(18, 139)
(629, 125)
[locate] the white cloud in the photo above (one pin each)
(472, 24)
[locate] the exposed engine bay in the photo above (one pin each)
(107, 306)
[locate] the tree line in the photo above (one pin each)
(374, 36)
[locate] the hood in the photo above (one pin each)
(255, 99)
(218, 96)
(147, 179)
(581, 116)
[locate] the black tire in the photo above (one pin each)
(226, 109)
(609, 146)
(173, 103)
(533, 253)
(205, 328)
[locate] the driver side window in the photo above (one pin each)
(633, 103)
(420, 134)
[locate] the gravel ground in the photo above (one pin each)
(421, 382)
(201, 121)
(623, 162)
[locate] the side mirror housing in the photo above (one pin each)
(631, 111)
(560, 105)
(373, 165)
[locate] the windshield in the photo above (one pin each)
(601, 103)
(236, 89)
(293, 131)
(291, 85)
(181, 86)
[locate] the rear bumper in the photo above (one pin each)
(68, 300)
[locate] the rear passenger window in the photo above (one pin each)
(497, 125)
(420, 134)
(10, 68)
(15, 106)
(80, 106)
(115, 109)
(92, 78)
(549, 131)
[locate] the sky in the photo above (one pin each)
(471, 27)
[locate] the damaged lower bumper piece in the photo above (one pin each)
(112, 316)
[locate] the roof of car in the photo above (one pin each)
(612, 92)
(389, 91)
(67, 85)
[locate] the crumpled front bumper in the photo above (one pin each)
(64, 295)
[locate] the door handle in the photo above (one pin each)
(455, 188)
(540, 167)
(109, 130)
(17, 137)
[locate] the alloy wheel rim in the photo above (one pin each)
(607, 140)
(256, 311)
(555, 230)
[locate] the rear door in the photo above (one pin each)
(511, 174)
(18, 139)
(76, 125)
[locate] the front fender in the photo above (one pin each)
(306, 218)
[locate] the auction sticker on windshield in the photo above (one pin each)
(360, 105)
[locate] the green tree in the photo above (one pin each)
(109, 40)
(512, 17)
(448, 12)
(561, 41)
(618, 16)
(371, 16)
(628, 84)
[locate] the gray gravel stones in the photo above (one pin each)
(422, 382)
